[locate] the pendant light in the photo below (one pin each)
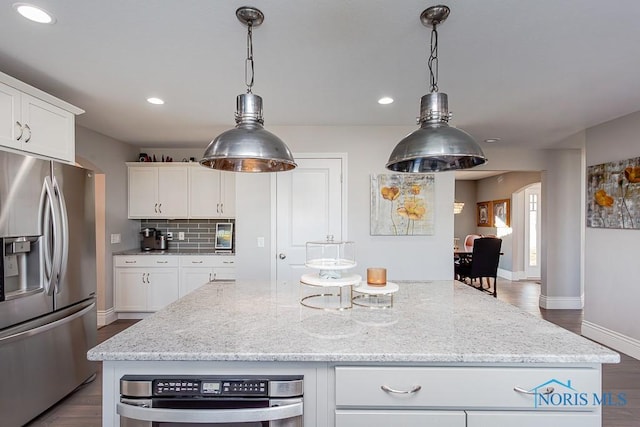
(248, 147)
(436, 146)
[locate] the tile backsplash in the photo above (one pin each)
(198, 233)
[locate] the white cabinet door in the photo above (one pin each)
(162, 287)
(532, 419)
(143, 192)
(224, 273)
(172, 194)
(212, 194)
(10, 121)
(130, 289)
(191, 278)
(385, 418)
(227, 194)
(47, 129)
(204, 192)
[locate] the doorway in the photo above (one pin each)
(532, 231)
(310, 205)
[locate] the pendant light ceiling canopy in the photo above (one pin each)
(435, 146)
(248, 147)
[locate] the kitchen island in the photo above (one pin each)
(474, 361)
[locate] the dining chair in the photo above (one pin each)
(482, 265)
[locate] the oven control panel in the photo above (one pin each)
(209, 387)
(187, 386)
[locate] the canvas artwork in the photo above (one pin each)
(613, 194)
(402, 204)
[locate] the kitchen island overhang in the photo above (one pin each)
(437, 329)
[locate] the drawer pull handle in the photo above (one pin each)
(414, 389)
(196, 262)
(162, 262)
(130, 262)
(547, 390)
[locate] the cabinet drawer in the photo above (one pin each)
(145, 261)
(402, 418)
(207, 261)
(462, 387)
(533, 419)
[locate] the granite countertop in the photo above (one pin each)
(139, 251)
(430, 322)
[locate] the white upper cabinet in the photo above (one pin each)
(35, 122)
(212, 194)
(158, 191)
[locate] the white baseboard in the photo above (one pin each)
(505, 274)
(106, 316)
(613, 339)
(561, 303)
(133, 315)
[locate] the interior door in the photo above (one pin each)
(533, 235)
(308, 208)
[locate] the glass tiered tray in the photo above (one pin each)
(331, 286)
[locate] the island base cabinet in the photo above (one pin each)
(533, 419)
(380, 418)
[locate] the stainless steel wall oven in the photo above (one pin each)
(221, 401)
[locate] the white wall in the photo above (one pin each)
(612, 270)
(110, 155)
(562, 219)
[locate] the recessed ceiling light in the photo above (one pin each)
(385, 100)
(34, 13)
(491, 140)
(155, 101)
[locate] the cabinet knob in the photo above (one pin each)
(282, 256)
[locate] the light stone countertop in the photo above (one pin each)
(172, 251)
(430, 322)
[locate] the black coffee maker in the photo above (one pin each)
(148, 241)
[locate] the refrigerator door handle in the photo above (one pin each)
(64, 233)
(43, 325)
(51, 243)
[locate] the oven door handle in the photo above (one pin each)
(247, 415)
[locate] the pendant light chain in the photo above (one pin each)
(248, 65)
(433, 60)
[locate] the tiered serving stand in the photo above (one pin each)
(331, 288)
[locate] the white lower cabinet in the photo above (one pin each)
(195, 271)
(533, 419)
(404, 418)
(492, 396)
(147, 283)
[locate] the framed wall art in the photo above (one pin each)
(402, 205)
(484, 214)
(613, 195)
(501, 213)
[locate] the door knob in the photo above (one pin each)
(282, 256)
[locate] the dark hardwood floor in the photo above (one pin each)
(83, 408)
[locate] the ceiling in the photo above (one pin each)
(530, 72)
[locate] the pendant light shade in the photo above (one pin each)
(435, 146)
(248, 147)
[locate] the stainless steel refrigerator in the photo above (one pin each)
(48, 285)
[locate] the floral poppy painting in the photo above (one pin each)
(613, 195)
(402, 205)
